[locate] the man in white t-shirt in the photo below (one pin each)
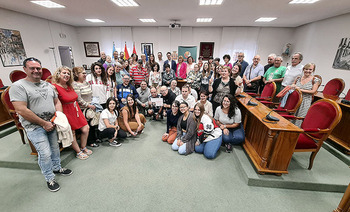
(186, 97)
(294, 70)
(160, 61)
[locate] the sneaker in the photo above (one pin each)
(64, 172)
(115, 143)
(228, 147)
(53, 185)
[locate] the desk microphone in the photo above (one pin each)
(271, 118)
(252, 103)
(240, 96)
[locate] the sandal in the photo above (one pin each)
(87, 151)
(82, 156)
(94, 145)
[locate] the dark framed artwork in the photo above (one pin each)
(148, 47)
(342, 57)
(11, 48)
(92, 49)
(206, 50)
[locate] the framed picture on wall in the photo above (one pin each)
(11, 48)
(206, 50)
(148, 47)
(92, 49)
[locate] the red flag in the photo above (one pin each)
(126, 54)
(134, 50)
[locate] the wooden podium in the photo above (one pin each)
(270, 145)
(340, 133)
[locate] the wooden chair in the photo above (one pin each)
(1, 83)
(49, 79)
(347, 97)
(334, 87)
(267, 94)
(318, 124)
(17, 75)
(291, 106)
(46, 73)
(5, 98)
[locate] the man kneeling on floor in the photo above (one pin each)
(36, 103)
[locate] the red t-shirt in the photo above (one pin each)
(138, 75)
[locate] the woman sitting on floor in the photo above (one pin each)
(172, 119)
(186, 131)
(130, 120)
(228, 117)
(108, 124)
(208, 134)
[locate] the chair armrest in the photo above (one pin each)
(260, 99)
(253, 94)
(315, 130)
(291, 117)
(266, 102)
(280, 110)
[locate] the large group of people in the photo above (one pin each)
(114, 99)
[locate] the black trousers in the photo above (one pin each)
(109, 133)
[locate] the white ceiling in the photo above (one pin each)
(230, 13)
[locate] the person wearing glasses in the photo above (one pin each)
(36, 102)
(241, 61)
(186, 131)
(123, 90)
(171, 124)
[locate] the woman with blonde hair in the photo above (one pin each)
(62, 81)
(84, 92)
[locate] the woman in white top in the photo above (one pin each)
(228, 118)
(235, 75)
(203, 99)
(155, 77)
(98, 82)
(111, 82)
(108, 124)
(190, 65)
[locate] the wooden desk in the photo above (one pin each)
(5, 117)
(341, 133)
(270, 145)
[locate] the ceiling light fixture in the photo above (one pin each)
(204, 20)
(265, 19)
(48, 4)
(125, 3)
(303, 1)
(147, 20)
(210, 2)
(94, 20)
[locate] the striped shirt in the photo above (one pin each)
(138, 75)
(84, 93)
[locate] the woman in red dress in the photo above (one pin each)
(62, 81)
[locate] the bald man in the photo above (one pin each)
(252, 75)
(153, 110)
(103, 58)
(168, 98)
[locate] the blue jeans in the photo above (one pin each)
(210, 148)
(181, 149)
(48, 150)
(235, 136)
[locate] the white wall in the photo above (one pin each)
(319, 42)
(37, 36)
(227, 40)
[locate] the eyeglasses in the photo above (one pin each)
(183, 107)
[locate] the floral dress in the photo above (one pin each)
(307, 99)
